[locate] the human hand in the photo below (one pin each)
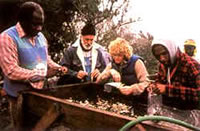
(36, 78)
(115, 75)
(156, 88)
(126, 90)
(63, 70)
(58, 71)
(133, 89)
(95, 74)
(103, 76)
(81, 74)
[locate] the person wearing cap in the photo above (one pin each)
(84, 58)
(178, 81)
(190, 48)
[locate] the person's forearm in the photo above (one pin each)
(141, 72)
(13, 71)
(139, 87)
(106, 72)
(21, 74)
(51, 64)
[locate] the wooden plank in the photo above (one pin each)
(47, 119)
(80, 117)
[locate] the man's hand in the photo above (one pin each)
(81, 74)
(63, 69)
(59, 71)
(157, 88)
(95, 74)
(36, 78)
(103, 76)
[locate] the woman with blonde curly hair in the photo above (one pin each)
(126, 68)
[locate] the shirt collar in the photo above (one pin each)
(77, 43)
(20, 30)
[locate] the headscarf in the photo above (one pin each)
(172, 49)
(169, 45)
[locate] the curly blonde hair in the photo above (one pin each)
(120, 46)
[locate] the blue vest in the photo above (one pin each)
(127, 71)
(29, 56)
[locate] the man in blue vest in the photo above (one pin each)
(24, 57)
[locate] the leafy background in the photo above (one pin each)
(65, 18)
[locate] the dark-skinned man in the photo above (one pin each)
(178, 81)
(24, 55)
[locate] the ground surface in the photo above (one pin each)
(5, 123)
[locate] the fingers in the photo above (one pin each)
(95, 73)
(156, 90)
(63, 69)
(153, 88)
(104, 75)
(36, 78)
(81, 74)
(115, 75)
(150, 87)
(117, 78)
(98, 80)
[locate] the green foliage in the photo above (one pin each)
(109, 18)
(141, 44)
(142, 47)
(65, 18)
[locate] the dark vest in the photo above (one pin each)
(127, 71)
